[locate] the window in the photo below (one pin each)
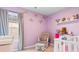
(13, 24)
(12, 16)
(13, 29)
(9, 24)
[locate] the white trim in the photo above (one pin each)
(29, 46)
(14, 50)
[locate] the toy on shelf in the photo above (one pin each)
(57, 20)
(65, 20)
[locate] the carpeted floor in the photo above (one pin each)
(49, 49)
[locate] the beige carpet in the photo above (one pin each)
(49, 49)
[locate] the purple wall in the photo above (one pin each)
(68, 12)
(34, 25)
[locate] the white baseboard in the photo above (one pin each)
(14, 50)
(29, 46)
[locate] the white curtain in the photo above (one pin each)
(21, 44)
(4, 26)
(3, 22)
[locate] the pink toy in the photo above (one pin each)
(57, 35)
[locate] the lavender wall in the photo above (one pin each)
(34, 25)
(68, 12)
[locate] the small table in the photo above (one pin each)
(40, 47)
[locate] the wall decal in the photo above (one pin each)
(31, 20)
(44, 17)
(41, 21)
(36, 15)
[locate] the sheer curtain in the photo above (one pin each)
(16, 18)
(3, 22)
(4, 30)
(21, 44)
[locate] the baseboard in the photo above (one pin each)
(14, 50)
(29, 46)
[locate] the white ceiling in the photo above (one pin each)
(45, 10)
